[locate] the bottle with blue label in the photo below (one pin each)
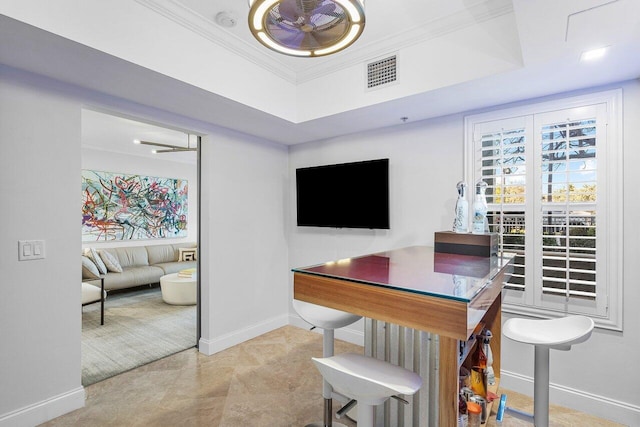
(480, 224)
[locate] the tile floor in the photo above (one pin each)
(267, 381)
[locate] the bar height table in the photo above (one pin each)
(416, 287)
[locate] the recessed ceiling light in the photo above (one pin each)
(593, 54)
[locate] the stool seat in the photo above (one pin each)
(545, 335)
(558, 334)
(369, 381)
(328, 320)
(324, 317)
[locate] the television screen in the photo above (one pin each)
(349, 195)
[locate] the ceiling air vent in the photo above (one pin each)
(381, 72)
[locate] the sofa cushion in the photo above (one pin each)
(187, 254)
(161, 253)
(176, 266)
(89, 269)
(93, 255)
(111, 262)
(131, 256)
(166, 253)
(90, 293)
(133, 276)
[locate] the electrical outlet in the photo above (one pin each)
(30, 249)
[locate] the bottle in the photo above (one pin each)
(461, 221)
(491, 377)
(480, 224)
(463, 418)
(480, 357)
(479, 369)
(475, 414)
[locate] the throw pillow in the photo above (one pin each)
(89, 269)
(188, 254)
(92, 254)
(110, 261)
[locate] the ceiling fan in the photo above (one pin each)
(306, 27)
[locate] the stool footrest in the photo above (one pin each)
(517, 413)
(399, 399)
(346, 408)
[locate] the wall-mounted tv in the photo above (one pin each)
(346, 195)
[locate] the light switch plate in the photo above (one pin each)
(30, 249)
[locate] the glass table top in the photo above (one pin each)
(417, 269)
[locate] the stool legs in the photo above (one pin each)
(541, 387)
(327, 351)
(365, 415)
(540, 417)
(327, 390)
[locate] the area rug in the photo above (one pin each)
(138, 328)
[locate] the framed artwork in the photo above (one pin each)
(132, 207)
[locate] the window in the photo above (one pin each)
(555, 199)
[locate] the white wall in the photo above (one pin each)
(121, 163)
(243, 253)
(40, 324)
(243, 224)
(426, 161)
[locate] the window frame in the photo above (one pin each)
(609, 200)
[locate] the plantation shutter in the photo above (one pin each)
(501, 153)
(543, 174)
(554, 193)
(568, 149)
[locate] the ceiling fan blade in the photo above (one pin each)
(289, 10)
(287, 36)
(309, 41)
(324, 9)
(328, 35)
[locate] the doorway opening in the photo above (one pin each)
(140, 210)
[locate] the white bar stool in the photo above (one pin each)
(557, 334)
(367, 380)
(328, 320)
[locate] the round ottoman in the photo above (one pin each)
(179, 290)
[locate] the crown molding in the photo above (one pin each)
(204, 27)
(477, 13)
(425, 31)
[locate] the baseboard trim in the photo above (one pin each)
(353, 336)
(45, 410)
(226, 341)
(589, 403)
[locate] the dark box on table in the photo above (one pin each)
(484, 245)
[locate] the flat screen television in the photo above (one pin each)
(346, 195)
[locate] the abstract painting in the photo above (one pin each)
(132, 207)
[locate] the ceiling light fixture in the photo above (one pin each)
(167, 148)
(226, 19)
(306, 28)
(593, 54)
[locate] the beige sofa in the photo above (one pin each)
(141, 265)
